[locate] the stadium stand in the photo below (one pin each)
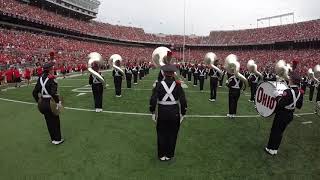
(23, 46)
(309, 30)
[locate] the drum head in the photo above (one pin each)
(265, 99)
(53, 107)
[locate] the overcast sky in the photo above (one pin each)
(166, 16)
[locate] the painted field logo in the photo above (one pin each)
(266, 97)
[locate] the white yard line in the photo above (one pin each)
(144, 114)
(307, 122)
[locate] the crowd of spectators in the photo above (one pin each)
(20, 47)
(290, 32)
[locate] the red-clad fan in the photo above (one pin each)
(69, 69)
(17, 77)
(55, 69)
(83, 68)
(27, 75)
(9, 75)
(1, 77)
(39, 71)
(63, 71)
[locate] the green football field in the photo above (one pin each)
(120, 143)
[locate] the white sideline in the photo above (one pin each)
(145, 114)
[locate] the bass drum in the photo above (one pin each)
(266, 94)
(50, 105)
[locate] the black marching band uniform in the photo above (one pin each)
(141, 71)
(214, 80)
(117, 79)
(135, 72)
(318, 92)
(184, 71)
(234, 84)
(47, 87)
(304, 83)
(97, 90)
(311, 85)
(195, 71)
(202, 74)
(292, 98)
(253, 80)
(189, 72)
(222, 77)
(128, 72)
(170, 97)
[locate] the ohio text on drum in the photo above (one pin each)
(266, 94)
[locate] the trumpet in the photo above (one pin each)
(95, 57)
(253, 68)
(232, 66)
(209, 60)
(116, 60)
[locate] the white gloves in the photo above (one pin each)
(59, 105)
(154, 118)
(181, 118)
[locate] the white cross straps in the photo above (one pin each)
(43, 86)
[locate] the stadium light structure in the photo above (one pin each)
(275, 17)
(184, 31)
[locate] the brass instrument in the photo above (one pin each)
(159, 56)
(209, 59)
(116, 58)
(282, 69)
(253, 68)
(95, 57)
(232, 66)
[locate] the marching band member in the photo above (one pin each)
(207, 71)
(189, 72)
(234, 84)
(318, 92)
(47, 88)
(253, 80)
(117, 79)
(304, 83)
(97, 89)
(141, 71)
(267, 75)
(128, 72)
(292, 98)
(135, 74)
(214, 80)
(222, 76)
(180, 66)
(202, 74)
(311, 85)
(184, 70)
(170, 97)
(195, 74)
